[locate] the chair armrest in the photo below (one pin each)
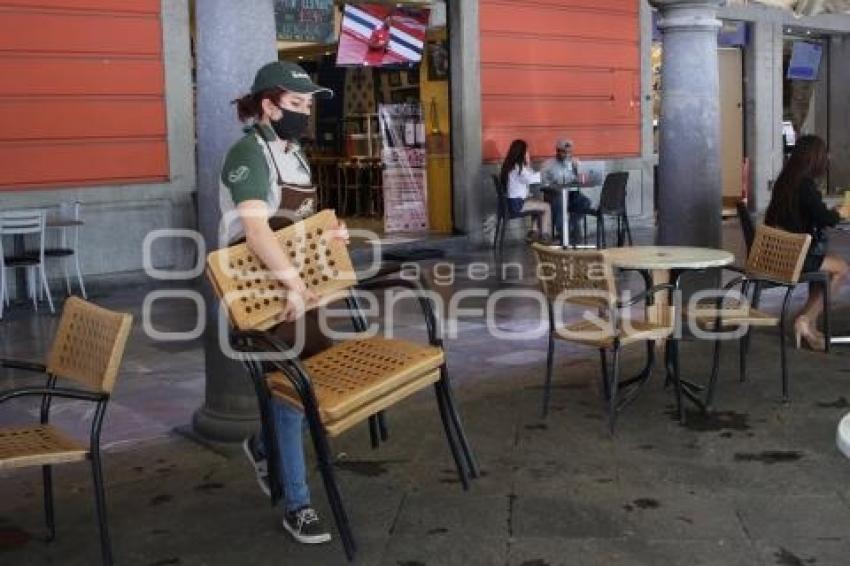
(22, 365)
(64, 392)
(386, 268)
(421, 290)
(267, 343)
(655, 289)
(814, 277)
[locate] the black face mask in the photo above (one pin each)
(291, 125)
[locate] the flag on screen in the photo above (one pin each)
(379, 34)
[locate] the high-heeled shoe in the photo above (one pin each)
(805, 333)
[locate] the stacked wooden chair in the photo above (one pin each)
(775, 259)
(585, 278)
(351, 382)
(87, 351)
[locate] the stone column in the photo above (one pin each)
(839, 112)
(233, 40)
(763, 107)
(689, 208)
(467, 184)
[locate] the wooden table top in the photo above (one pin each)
(668, 257)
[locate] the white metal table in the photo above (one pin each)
(563, 190)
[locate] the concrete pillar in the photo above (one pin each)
(689, 208)
(234, 39)
(468, 175)
(763, 108)
(839, 112)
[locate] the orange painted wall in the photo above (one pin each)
(82, 93)
(561, 68)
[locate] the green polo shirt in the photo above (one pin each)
(248, 173)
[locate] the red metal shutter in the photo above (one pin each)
(82, 93)
(561, 68)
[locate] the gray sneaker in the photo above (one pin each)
(258, 460)
(305, 526)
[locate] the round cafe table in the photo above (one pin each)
(563, 190)
(658, 263)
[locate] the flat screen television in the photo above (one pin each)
(382, 35)
(805, 60)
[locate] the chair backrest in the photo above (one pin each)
(255, 298)
(748, 226)
(777, 255)
(568, 273)
(612, 199)
(89, 344)
(14, 222)
(501, 196)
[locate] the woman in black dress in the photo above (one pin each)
(796, 205)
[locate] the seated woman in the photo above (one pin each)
(516, 176)
(796, 205)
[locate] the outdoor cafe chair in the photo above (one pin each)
(775, 259)
(87, 351)
(348, 383)
(67, 248)
(585, 278)
(820, 278)
(503, 216)
(19, 224)
(612, 202)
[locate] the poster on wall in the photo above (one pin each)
(404, 163)
(381, 34)
(305, 20)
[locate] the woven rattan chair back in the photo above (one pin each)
(777, 255)
(569, 274)
(254, 297)
(89, 344)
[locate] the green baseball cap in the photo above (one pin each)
(288, 76)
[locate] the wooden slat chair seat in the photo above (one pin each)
(39, 445)
(776, 259)
(731, 314)
(585, 278)
(356, 379)
(346, 384)
(87, 351)
(589, 333)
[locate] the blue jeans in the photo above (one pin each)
(577, 205)
(289, 423)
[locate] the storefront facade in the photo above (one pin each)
(541, 71)
(96, 107)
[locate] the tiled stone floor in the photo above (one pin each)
(756, 483)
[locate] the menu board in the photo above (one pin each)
(305, 20)
(404, 164)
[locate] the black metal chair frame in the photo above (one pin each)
(249, 342)
(611, 382)
(503, 216)
(820, 278)
(612, 202)
(47, 393)
(750, 290)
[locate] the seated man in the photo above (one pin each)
(563, 169)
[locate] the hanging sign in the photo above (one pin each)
(404, 165)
